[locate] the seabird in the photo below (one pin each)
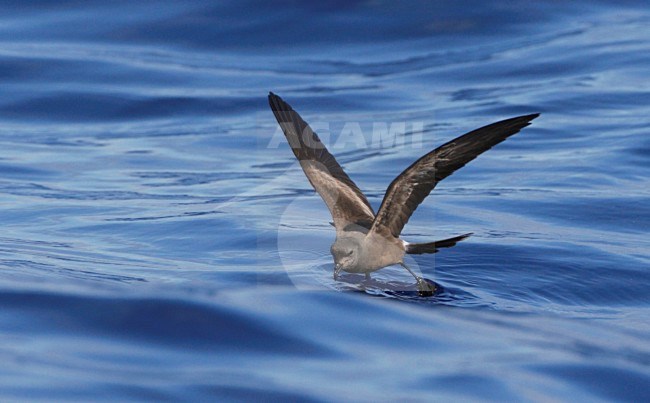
(365, 241)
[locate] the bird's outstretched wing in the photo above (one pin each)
(345, 201)
(408, 190)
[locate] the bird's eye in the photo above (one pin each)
(350, 252)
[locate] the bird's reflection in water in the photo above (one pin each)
(392, 288)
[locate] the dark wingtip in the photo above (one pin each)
(528, 118)
(277, 103)
(516, 124)
(273, 97)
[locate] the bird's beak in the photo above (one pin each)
(337, 270)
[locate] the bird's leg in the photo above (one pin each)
(337, 270)
(367, 276)
(424, 288)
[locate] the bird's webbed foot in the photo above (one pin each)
(425, 289)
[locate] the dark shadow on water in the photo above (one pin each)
(407, 291)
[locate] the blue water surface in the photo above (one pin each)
(159, 242)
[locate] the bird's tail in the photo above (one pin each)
(432, 247)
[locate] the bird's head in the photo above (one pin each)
(345, 252)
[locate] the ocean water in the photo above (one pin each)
(159, 242)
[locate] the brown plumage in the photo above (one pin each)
(410, 188)
(366, 242)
